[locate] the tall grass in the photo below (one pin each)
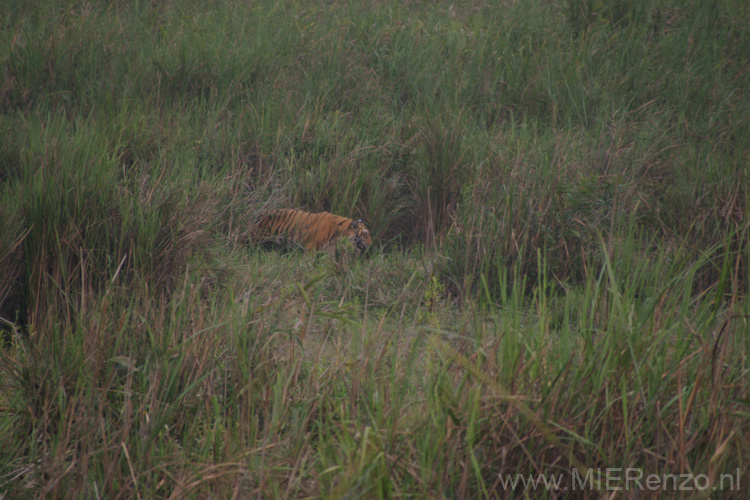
(557, 194)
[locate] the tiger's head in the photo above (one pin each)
(358, 235)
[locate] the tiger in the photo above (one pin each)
(314, 231)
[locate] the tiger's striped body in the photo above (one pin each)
(314, 231)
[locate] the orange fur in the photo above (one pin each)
(313, 231)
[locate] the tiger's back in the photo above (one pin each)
(314, 231)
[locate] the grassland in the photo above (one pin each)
(558, 194)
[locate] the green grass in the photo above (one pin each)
(557, 196)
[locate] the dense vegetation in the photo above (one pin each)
(558, 194)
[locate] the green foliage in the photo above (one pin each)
(557, 196)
